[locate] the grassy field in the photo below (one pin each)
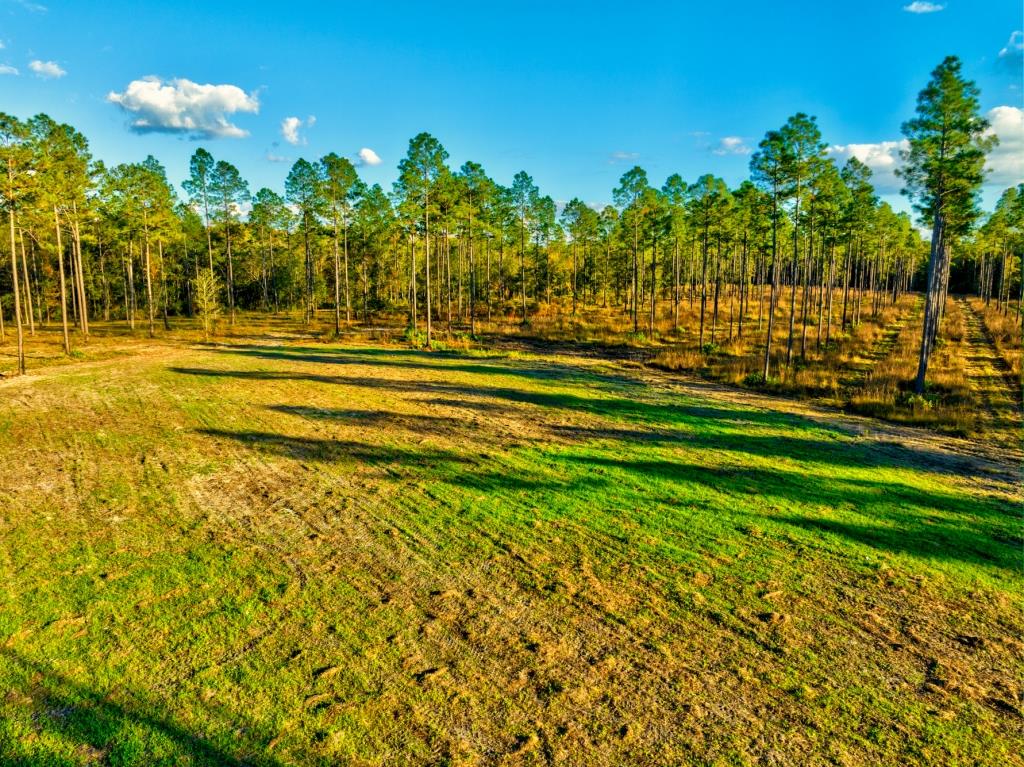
(298, 553)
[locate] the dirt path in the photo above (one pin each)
(990, 377)
(858, 373)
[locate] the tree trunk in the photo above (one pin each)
(348, 300)
(149, 285)
(931, 295)
(771, 299)
(14, 269)
(28, 284)
(337, 282)
(426, 245)
(63, 287)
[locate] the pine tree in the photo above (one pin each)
(943, 170)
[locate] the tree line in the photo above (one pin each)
(456, 247)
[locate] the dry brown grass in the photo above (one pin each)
(1005, 332)
(868, 367)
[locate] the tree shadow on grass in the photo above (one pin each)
(423, 360)
(332, 450)
(932, 524)
(432, 465)
(679, 414)
(684, 421)
(425, 424)
(101, 731)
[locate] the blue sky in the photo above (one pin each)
(574, 93)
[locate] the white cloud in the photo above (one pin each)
(1011, 55)
(47, 69)
(290, 129)
(1013, 47)
(368, 157)
(883, 158)
(620, 156)
(271, 157)
(182, 106)
(731, 145)
(922, 7)
(7, 69)
(1005, 163)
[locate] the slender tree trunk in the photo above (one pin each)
(831, 289)
(654, 284)
(636, 273)
(14, 269)
(774, 280)
(743, 284)
(149, 283)
(231, 270)
(806, 286)
(348, 300)
(522, 262)
(935, 258)
(63, 287)
(337, 282)
(129, 288)
(209, 235)
(472, 282)
(703, 284)
(718, 282)
(426, 243)
(79, 272)
(675, 285)
(28, 284)
(447, 251)
(793, 277)
(163, 282)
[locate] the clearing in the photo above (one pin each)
(302, 553)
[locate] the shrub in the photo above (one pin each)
(414, 337)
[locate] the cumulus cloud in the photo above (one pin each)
(182, 106)
(1005, 163)
(922, 7)
(367, 157)
(883, 158)
(731, 145)
(271, 157)
(290, 127)
(46, 69)
(7, 69)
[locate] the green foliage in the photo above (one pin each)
(415, 337)
(206, 292)
(944, 165)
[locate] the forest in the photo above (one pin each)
(450, 248)
(455, 473)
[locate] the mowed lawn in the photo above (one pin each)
(329, 555)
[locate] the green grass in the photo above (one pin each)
(315, 554)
